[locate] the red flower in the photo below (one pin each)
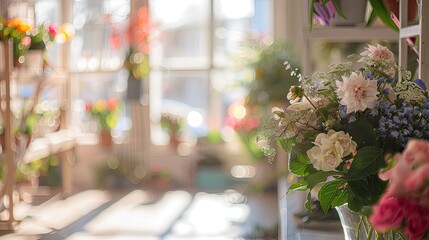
(388, 214)
(417, 220)
(88, 106)
(112, 103)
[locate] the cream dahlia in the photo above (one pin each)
(357, 93)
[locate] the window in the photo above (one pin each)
(192, 59)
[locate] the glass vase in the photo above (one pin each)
(357, 227)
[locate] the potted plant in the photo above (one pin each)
(325, 11)
(106, 113)
(27, 38)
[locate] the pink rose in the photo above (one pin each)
(416, 152)
(418, 178)
(397, 175)
(387, 214)
(417, 220)
(53, 30)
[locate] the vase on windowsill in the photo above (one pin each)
(133, 87)
(105, 138)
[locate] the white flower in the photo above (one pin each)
(378, 53)
(300, 106)
(276, 111)
(325, 157)
(344, 140)
(306, 105)
(295, 94)
(330, 149)
(357, 93)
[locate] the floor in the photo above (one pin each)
(144, 214)
(190, 206)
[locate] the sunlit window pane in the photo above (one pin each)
(181, 38)
(96, 22)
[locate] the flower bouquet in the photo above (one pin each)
(105, 111)
(341, 131)
(26, 37)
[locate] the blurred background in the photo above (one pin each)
(138, 119)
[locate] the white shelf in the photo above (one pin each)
(348, 34)
(409, 31)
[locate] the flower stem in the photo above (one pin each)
(358, 228)
(371, 230)
(314, 106)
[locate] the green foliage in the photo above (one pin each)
(332, 194)
(368, 160)
(363, 133)
(380, 10)
(271, 78)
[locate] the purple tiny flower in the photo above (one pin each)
(408, 110)
(396, 120)
(420, 83)
(394, 134)
(373, 112)
(418, 133)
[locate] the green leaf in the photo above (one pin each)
(301, 185)
(324, 2)
(353, 203)
(279, 113)
(319, 177)
(337, 4)
(368, 160)
(304, 146)
(368, 190)
(329, 193)
(310, 15)
(371, 19)
(283, 144)
(309, 202)
(362, 133)
(299, 164)
(383, 13)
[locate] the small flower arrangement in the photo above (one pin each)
(26, 37)
(105, 111)
(343, 126)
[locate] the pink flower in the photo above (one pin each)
(416, 152)
(26, 41)
(53, 30)
(387, 214)
(378, 52)
(411, 170)
(417, 220)
(397, 175)
(357, 92)
(416, 180)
